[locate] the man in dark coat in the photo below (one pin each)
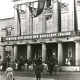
(50, 68)
(38, 71)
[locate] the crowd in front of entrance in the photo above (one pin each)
(22, 64)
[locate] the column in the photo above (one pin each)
(12, 54)
(15, 52)
(28, 51)
(77, 53)
(60, 53)
(3, 53)
(43, 52)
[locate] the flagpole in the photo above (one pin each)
(75, 18)
(19, 20)
(59, 15)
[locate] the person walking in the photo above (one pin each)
(45, 68)
(56, 68)
(9, 73)
(50, 68)
(38, 71)
(26, 66)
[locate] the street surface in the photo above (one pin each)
(30, 76)
(23, 78)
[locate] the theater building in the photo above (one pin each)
(56, 31)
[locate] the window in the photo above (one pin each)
(22, 8)
(78, 2)
(49, 27)
(48, 17)
(48, 3)
(8, 30)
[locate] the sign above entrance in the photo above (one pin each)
(40, 36)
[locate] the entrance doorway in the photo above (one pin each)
(22, 51)
(51, 50)
(69, 53)
(36, 50)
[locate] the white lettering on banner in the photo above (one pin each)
(40, 36)
(47, 35)
(34, 36)
(18, 38)
(7, 38)
(37, 36)
(15, 38)
(25, 37)
(64, 34)
(54, 35)
(70, 68)
(43, 36)
(51, 35)
(30, 37)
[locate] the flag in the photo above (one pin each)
(37, 11)
(75, 17)
(19, 21)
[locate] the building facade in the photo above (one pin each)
(6, 25)
(55, 32)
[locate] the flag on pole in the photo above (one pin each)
(19, 21)
(75, 18)
(37, 11)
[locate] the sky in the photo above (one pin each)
(6, 9)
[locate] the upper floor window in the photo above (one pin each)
(47, 3)
(78, 2)
(48, 17)
(22, 8)
(8, 30)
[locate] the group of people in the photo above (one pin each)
(35, 65)
(30, 64)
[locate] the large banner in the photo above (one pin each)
(37, 11)
(19, 21)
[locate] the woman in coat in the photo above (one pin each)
(9, 73)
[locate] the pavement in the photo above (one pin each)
(24, 78)
(30, 76)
